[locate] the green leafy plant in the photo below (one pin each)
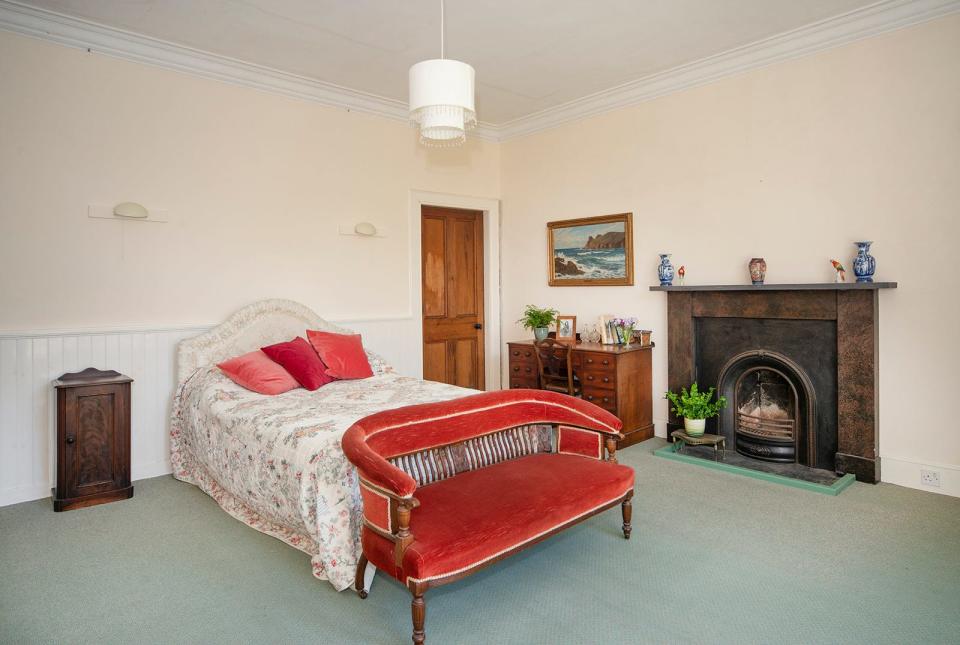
(534, 317)
(695, 404)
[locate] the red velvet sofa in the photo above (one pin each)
(449, 488)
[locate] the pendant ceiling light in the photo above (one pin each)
(441, 98)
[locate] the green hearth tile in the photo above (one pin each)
(669, 452)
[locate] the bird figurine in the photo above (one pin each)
(841, 272)
(680, 273)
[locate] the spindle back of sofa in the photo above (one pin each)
(436, 464)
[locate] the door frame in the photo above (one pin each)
(490, 208)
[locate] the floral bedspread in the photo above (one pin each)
(275, 462)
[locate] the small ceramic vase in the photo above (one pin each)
(540, 333)
(758, 271)
(864, 265)
(665, 270)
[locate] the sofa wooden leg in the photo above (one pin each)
(419, 609)
(627, 507)
(358, 581)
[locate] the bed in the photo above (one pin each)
(275, 462)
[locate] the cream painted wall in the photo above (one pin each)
(255, 185)
(792, 162)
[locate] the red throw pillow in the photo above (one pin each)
(255, 371)
(342, 354)
(298, 358)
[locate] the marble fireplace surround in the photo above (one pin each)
(853, 308)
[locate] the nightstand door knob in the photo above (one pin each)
(71, 438)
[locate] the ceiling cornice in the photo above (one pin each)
(862, 23)
(856, 25)
(118, 43)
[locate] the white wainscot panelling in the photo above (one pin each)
(30, 361)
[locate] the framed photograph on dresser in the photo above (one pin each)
(567, 329)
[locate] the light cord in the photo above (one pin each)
(441, 29)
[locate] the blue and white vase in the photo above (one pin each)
(665, 270)
(864, 265)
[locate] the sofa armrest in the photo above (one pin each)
(373, 468)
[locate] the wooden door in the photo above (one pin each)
(452, 288)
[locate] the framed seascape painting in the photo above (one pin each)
(591, 251)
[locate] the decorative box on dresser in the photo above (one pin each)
(93, 439)
(618, 379)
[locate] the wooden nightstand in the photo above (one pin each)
(93, 439)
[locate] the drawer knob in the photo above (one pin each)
(71, 438)
(516, 353)
(589, 360)
(606, 362)
(526, 353)
(606, 379)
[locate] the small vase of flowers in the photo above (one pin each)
(624, 327)
(695, 407)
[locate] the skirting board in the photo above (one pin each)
(908, 473)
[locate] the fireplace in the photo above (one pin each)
(796, 363)
(771, 402)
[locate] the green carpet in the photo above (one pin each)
(750, 562)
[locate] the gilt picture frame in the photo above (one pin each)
(590, 251)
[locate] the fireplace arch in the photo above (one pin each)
(771, 408)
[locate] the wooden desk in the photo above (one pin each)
(618, 379)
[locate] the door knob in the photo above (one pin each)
(71, 438)
(477, 326)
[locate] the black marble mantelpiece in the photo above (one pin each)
(811, 286)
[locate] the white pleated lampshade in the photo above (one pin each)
(441, 101)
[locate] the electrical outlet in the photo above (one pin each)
(930, 478)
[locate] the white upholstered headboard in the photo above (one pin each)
(262, 323)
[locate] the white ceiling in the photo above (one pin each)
(530, 55)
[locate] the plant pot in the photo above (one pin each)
(540, 333)
(694, 427)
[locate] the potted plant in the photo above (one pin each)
(539, 320)
(695, 408)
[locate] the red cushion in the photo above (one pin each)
(255, 371)
(475, 516)
(342, 354)
(298, 358)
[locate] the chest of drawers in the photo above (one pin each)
(618, 379)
